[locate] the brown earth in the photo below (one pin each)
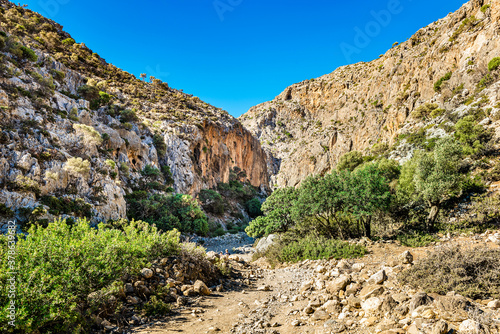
(256, 303)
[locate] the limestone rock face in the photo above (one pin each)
(83, 131)
(310, 125)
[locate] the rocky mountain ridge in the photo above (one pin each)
(80, 129)
(370, 107)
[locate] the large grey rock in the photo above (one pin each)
(265, 243)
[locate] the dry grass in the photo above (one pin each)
(473, 273)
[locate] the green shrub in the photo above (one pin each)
(77, 166)
(167, 212)
(485, 8)
(439, 83)
(156, 307)
(160, 145)
(350, 161)
(416, 239)
(315, 248)
(167, 174)
(494, 64)
(111, 163)
(127, 116)
(58, 75)
(212, 201)
(89, 93)
(426, 110)
(151, 171)
(28, 54)
(68, 41)
(5, 211)
(58, 267)
(472, 135)
(253, 207)
(472, 273)
(279, 213)
(77, 207)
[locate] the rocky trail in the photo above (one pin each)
(329, 296)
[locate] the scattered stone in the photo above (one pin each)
(494, 304)
(338, 284)
(371, 305)
(441, 327)
(470, 326)
(377, 278)
(335, 326)
(201, 288)
(406, 258)
(371, 291)
(419, 299)
(147, 273)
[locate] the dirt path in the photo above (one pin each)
(266, 301)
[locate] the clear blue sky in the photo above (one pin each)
(237, 53)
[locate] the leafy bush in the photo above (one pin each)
(424, 110)
(5, 211)
(315, 248)
(90, 135)
(59, 266)
(279, 215)
(111, 163)
(416, 239)
(127, 116)
(28, 54)
(350, 161)
(253, 207)
(160, 145)
(68, 41)
(77, 166)
(494, 64)
(57, 206)
(167, 212)
(472, 135)
(89, 93)
(156, 307)
(439, 83)
(473, 273)
(432, 177)
(212, 201)
(151, 171)
(102, 100)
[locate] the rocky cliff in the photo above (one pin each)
(371, 106)
(83, 131)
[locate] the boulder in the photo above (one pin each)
(371, 291)
(470, 326)
(338, 284)
(201, 288)
(406, 258)
(419, 299)
(265, 243)
(378, 278)
(371, 306)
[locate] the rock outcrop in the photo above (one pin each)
(367, 106)
(79, 129)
